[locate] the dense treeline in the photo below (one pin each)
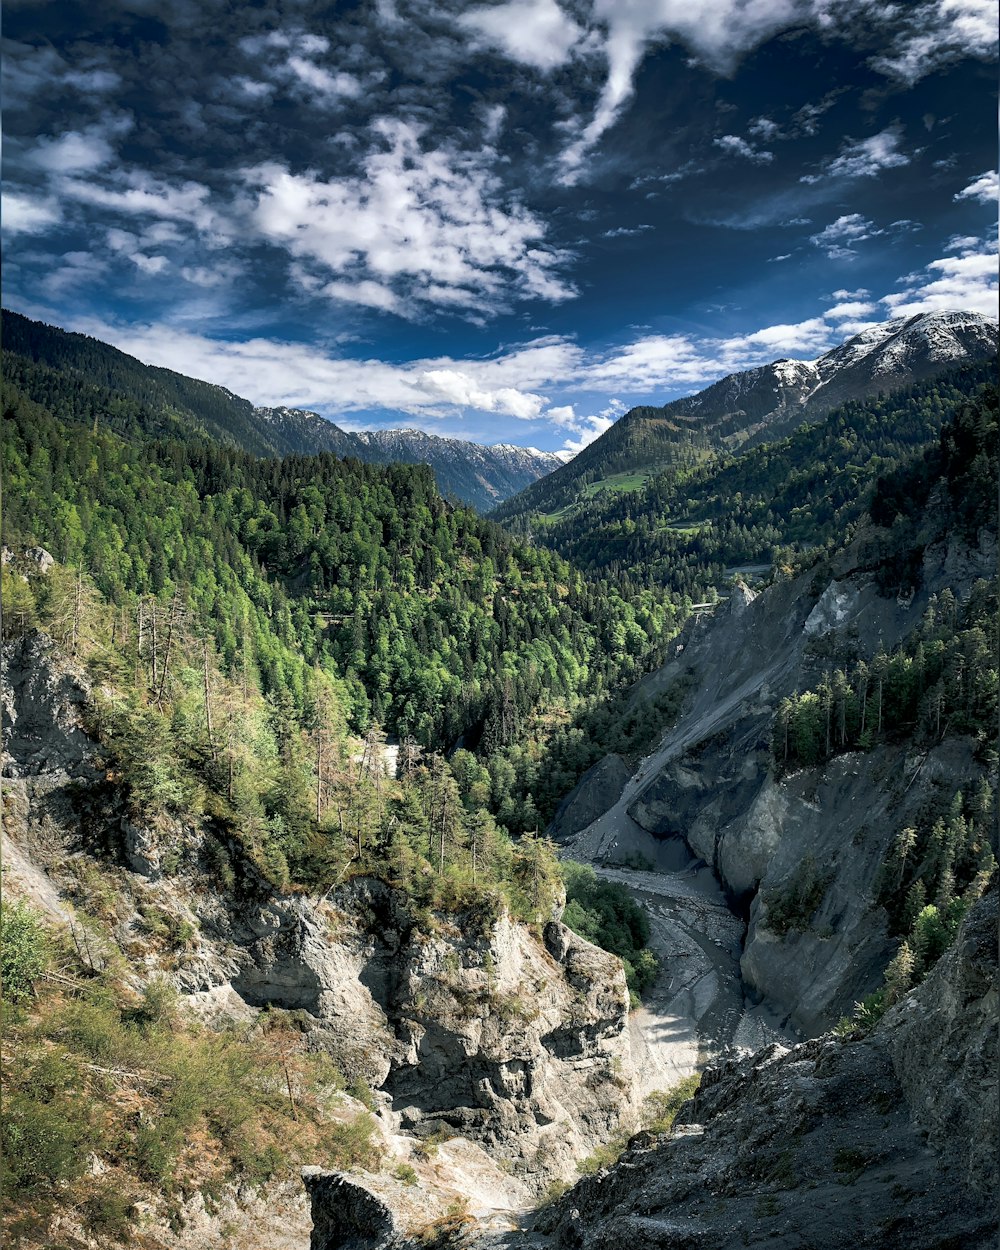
(691, 522)
(437, 623)
(943, 679)
(308, 804)
(78, 376)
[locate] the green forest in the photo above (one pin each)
(691, 524)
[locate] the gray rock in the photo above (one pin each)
(43, 705)
(872, 1141)
(599, 788)
(347, 1216)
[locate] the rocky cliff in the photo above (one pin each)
(818, 832)
(882, 1140)
(499, 1051)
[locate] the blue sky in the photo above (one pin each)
(507, 222)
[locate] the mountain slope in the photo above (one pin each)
(690, 528)
(80, 376)
(765, 403)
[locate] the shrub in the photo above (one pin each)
(23, 951)
(661, 1107)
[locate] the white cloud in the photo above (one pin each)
(985, 189)
(733, 145)
(322, 81)
(840, 237)
(368, 294)
(935, 33)
(586, 429)
(93, 81)
(73, 153)
(426, 225)
(865, 158)
(130, 245)
(718, 32)
(24, 214)
(74, 269)
(457, 387)
(138, 193)
(801, 338)
(532, 32)
(850, 310)
(967, 281)
(297, 68)
(625, 232)
(764, 128)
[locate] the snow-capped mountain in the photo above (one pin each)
(767, 402)
(745, 406)
(483, 476)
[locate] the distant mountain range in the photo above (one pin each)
(113, 387)
(765, 403)
(99, 382)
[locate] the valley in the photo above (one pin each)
(279, 757)
(499, 626)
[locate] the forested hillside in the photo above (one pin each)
(689, 524)
(79, 378)
(416, 617)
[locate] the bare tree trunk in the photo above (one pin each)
(138, 647)
(166, 649)
(77, 610)
(208, 701)
(152, 631)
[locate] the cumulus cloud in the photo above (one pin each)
(138, 193)
(865, 158)
(93, 81)
(733, 145)
(26, 214)
(583, 430)
(934, 33)
(984, 190)
(840, 237)
(851, 310)
(297, 67)
(75, 152)
(537, 33)
(426, 224)
(967, 280)
(457, 387)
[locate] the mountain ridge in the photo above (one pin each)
(766, 402)
(172, 403)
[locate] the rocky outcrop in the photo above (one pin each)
(599, 788)
(886, 1140)
(472, 1027)
(831, 1143)
(943, 1043)
(347, 1216)
(43, 710)
(711, 782)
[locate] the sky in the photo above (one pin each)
(508, 222)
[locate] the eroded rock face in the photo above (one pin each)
(472, 1027)
(348, 1216)
(943, 1044)
(711, 782)
(599, 788)
(885, 1141)
(42, 711)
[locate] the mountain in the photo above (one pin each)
(482, 476)
(81, 376)
(765, 403)
(238, 951)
